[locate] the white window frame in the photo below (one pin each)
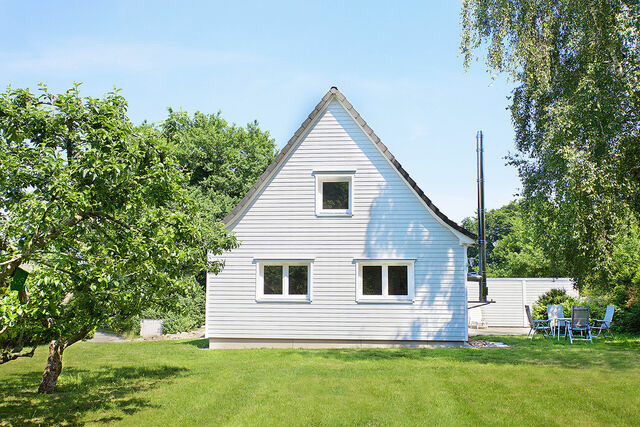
(333, 176)
(284, 297)
(385, 297)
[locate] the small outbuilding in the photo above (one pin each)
(339, 247)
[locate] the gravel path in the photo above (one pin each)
(495, 330)
(107, 337)
(110, 337)
(198, 333)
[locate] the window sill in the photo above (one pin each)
(305, 300)
(383, 301)
(334, 214)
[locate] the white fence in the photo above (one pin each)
(511, 295)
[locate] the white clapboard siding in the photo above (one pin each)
(389, 221)
(512, 294)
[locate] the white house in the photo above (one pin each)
(339, 247)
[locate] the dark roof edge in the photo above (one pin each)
(370, 133)
(280, 157)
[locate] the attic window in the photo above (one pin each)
(334, 193)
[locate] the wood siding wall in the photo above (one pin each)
(389, 222)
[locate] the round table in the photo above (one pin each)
(560, 321)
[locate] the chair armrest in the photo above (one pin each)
(600, 324)
(536, 322)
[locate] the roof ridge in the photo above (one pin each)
(333, 91)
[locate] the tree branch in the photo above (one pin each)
(77, 337)
(8, 356)
(70, 273)
(9, 267)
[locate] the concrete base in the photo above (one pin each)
(236, 343)
(498, 330)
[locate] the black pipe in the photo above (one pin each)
(482, 242)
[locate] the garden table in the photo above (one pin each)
(561, 321)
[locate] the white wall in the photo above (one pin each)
(389, 221)
(512, 294)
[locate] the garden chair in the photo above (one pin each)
(579, 323)
(604, 324)
(554, 314)
(536, 325)
(476, 319)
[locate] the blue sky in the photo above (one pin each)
(397, 63)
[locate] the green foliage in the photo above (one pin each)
(553, 296)
(498, 223)
(513, 245)
(187, 315)
(101, 210)
(223, 160)
(629, 320)
(576, 112)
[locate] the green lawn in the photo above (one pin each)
(180, 383)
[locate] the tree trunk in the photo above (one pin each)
(52, 369)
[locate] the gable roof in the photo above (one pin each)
(334, 92)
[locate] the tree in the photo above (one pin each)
(101, 213)
(513, 245)
(498, 223)
(223, 160)
(576, 112)
(521, 253)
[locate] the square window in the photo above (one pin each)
(335, 195)
(273, 280)
(372, 280)
(398, 280)
(298, 279)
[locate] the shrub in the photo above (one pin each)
(626, 298)
(188, 315)
(628, 320)
(553, 296)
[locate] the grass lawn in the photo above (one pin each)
(180, 383)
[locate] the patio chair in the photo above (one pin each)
(579, 323)
(536, 325)
(554, 314)
(604, 324)
(476, 318)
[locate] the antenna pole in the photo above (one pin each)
(482, 242)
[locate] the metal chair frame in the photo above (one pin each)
(536, 325)
(579, 323)
(604, 324)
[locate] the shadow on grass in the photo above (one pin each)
(102, 390)
(621, 354)
(201, 343)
